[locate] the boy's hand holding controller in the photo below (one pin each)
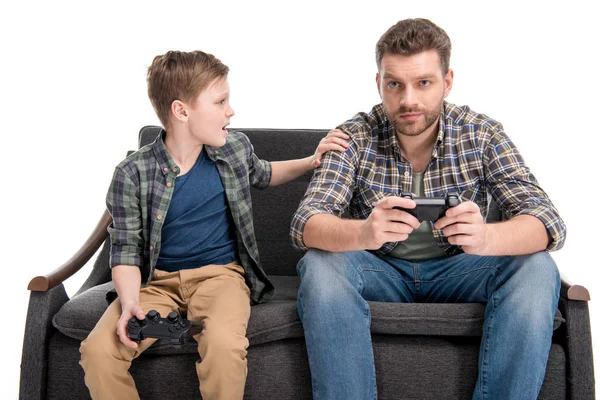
(129, 311)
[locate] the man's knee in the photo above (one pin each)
(328, 280)
(539, 272)
(538, 290)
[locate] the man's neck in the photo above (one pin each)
(417, 149)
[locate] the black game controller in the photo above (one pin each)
(430, 208)
(174, 327)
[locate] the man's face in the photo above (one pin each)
(210, 113)
(412, 89)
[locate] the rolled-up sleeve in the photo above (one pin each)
(259, 170)
(126, 240)
(329, 192)
(516, 189)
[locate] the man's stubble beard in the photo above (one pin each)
(414, 128)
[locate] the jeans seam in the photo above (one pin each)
(461, 274)
(392, 276)
(486, 347)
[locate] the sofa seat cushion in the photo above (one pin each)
(278, 319)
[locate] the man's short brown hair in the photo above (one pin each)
(412, 36)
(179, 75)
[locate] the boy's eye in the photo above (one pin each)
(222, 102)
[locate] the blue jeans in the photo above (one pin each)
(521, 293)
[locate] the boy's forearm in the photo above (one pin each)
(127, 280)
(285, 171)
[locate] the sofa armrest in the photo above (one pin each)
(573, 292)
(573, 304)
(75, 263)
(38, 326)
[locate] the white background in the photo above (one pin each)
(73, 98)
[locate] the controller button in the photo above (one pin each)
(153, 315)
(172, 317)
(171, 328)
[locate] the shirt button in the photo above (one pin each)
(175, 169)
(169, 184)
(166, 169)
(151, 247)
(407, 174)
(159, 217)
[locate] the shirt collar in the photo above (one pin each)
(163, 157)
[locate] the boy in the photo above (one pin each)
(182, 230)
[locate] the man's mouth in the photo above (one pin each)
(409, 116)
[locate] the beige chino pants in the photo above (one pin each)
(215, 295)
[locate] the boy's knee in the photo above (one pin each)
(98, 350)
(223, 343)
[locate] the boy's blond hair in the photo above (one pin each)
(179, 75)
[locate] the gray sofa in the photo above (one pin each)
(422, 351)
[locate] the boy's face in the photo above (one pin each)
(210, 113)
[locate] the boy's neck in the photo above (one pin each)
(182, 149)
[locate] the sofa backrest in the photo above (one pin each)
(273, 208)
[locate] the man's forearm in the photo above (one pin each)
(127, 280)
(331, 233)
(523, 234)
(285, 171)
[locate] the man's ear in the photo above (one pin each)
(448, 81)
(179, 110)
(378, 86)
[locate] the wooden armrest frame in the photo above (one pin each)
(75, 263)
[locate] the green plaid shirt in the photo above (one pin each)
(140, 193)
(472, 156)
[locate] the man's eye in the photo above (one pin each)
(425, 83)
(393, 84)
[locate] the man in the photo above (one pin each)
(417, 142)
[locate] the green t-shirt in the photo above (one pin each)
(420, 244)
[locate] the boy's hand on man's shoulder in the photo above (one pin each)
(335, 140)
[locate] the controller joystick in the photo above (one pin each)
(173, 317)
(430, 208)
(153, 315)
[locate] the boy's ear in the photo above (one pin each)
(179, 110)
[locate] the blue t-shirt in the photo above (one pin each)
(198, 228)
